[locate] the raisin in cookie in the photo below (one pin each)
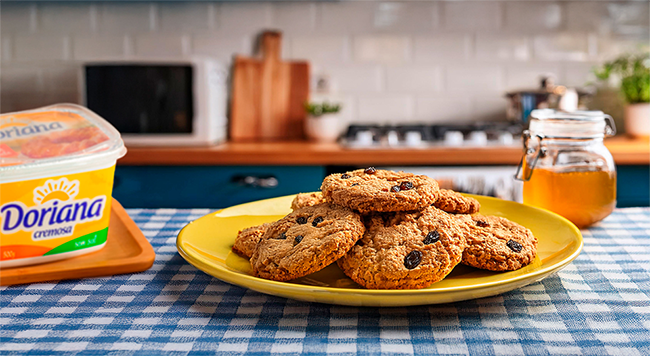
(406, 250)
(307, 199)
(374, 190)
(455, 203)
(497, 244)
(306, 241)
(247, 239)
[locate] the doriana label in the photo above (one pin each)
(41, 215)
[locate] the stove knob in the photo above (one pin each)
(505, 138)
(413, 138)
(453, 138)
(364, 138)
(478, 138)
(392, 138)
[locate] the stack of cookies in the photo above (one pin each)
(385, 230)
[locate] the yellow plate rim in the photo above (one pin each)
(251, 282)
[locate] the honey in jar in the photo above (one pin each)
(566, 168)
(582, 197)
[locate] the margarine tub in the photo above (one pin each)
(56, 176)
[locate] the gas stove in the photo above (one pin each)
(481, 134)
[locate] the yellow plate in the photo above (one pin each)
(206, 244)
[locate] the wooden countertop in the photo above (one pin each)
(625, 151)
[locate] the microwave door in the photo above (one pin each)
(142, 99)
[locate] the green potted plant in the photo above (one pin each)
(633, 72)
(323, 124)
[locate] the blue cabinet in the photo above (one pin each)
(210, 186)
(633, 186)
(223, 186)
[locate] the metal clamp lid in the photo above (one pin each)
(540, 152)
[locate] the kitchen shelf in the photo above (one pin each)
(626, 151)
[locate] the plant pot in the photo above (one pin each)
(637, 120)
(324, 128)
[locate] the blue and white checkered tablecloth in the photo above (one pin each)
(598, 305)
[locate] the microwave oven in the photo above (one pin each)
(159, 102)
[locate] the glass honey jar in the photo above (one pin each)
(566, 168)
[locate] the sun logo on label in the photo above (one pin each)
(12, 121)
(61, 189)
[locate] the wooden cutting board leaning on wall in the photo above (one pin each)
(268, 94)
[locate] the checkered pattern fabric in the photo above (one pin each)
(598, 305)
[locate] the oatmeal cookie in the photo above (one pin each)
(307, 199)
(406, 250)
(374, 190)
(305, 241)
(455, 203)
(497, 244)
(248, 238)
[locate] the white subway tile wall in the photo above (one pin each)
(122, 18)
(328, 50)
(564, 47)
(152, 46)
(414, 79)
(5, 49)
(410, 61)
(499, 47)
(475, 79)
(472, 15)
(50, 19)
(520, 76)
(405, 17)
(40, 48)
(18, 18)
(220, 47)
(243, 18)
(21, 79)
(385, 108)
(382, 48)
(61, 78)
(437, 47)
(294, 18)
(178, 17)
(533, 16)
(588, 16)
(576, 74)
(356, 78)
(443, 109)
(97, 47)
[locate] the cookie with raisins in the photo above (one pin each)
(456, 203)
(406, 250)
(377, 190)
(497, 244)
(247, 239)
(305, 241)
(307, 199)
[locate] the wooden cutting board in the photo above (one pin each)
(268, 94)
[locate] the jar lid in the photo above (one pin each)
(54, 139)
(553, 123)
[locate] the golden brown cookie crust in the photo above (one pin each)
(247, 239)
(327, 233)
(372, 192)
(379, 259)
(488, 245)
(455, 203)
(307, 199)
